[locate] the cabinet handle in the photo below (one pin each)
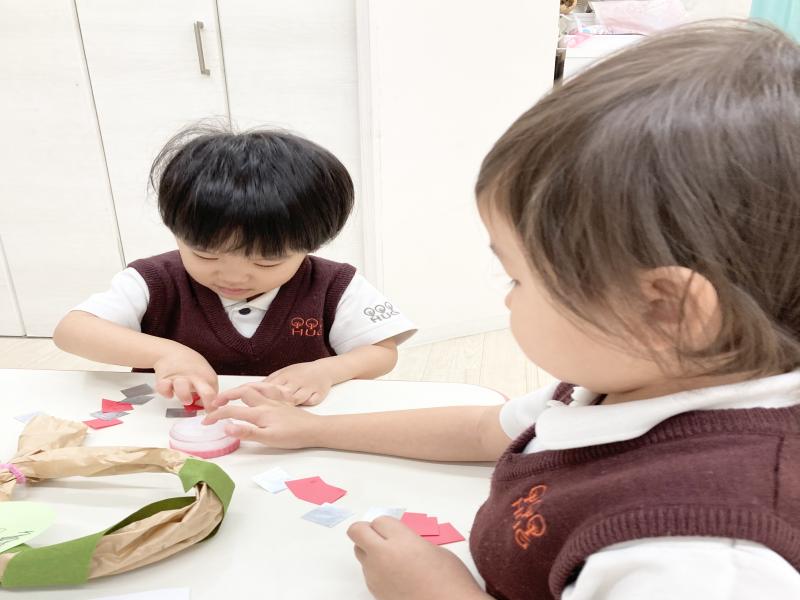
(198, 25)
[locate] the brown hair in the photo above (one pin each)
(681, 150)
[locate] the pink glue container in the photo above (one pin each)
(204, 441)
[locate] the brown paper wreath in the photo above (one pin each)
(50, 448)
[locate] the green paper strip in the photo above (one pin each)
(68, 563)
(194, 471)
(60, 564)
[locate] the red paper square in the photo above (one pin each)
(421, 523)
(447, 535)
(313, 489)
(114, 406)
(102, 424)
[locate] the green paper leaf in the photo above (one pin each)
(195, 471)
(60, 564)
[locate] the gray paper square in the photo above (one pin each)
(109, 416)
(173, 413)
(137, 390)
(138, 399)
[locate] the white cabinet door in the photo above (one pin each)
(293, 65)
(56, 215)
(10, 320)
(144, 64)
(444, 80)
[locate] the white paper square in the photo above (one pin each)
(373, 512)
(328, 515)
(273, 481)
(28, 417)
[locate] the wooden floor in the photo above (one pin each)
(489, 359)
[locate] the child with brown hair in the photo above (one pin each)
(647, 213)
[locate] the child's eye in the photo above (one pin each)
(205, 257)
(266, 266)
(512, 283)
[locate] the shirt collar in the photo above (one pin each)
(261, 302)
(581, 424)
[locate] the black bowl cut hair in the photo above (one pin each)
(261, 193)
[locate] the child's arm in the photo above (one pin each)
(179, 369)
(309, 383)
(455, 433)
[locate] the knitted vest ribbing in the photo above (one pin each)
(720, 473)
(295, 328)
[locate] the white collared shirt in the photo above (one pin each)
(666, 568)
(363, 316)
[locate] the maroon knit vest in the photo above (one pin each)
(720, 473)
(295, 328)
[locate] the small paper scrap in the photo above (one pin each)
(273, 481)
(421, 523)
(101, 424)
(328, 515)
(380, 511)
(165, 594)
(174, 413)
(22, 521)
(114, 406)
(108, 416)
(137, 390)
(137, 400)
(447, 535)
(28, 417)
(313, 489)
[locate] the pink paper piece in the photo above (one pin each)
(313, 489)
(447, 535)
(102, 424)
(421, 523)
(114, 406)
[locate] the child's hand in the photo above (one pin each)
(183, 372)
(400, 565)
(273, 423)
(305, 383)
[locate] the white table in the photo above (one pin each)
(263, 549)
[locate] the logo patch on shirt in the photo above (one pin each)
(528, 523)
(306, 327)
(380, 312)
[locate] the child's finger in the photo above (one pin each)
(232, 394)
(389, 527)
(164, 388)
(183, 390)
(313, 400)
(243, 431)
(204, 390)
(302, 395)
(267, 391)
(238, 412)
(363, 535)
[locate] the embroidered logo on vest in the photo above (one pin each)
(528, 523)
(380, 312)
(306, 327)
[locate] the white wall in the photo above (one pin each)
(444, 79)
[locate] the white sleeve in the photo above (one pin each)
(364, 316)
(124, 304)
(689, 568)
(520, 413)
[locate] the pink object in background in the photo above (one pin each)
(204, 441)
(639, 16)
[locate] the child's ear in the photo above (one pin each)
(682, 306)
